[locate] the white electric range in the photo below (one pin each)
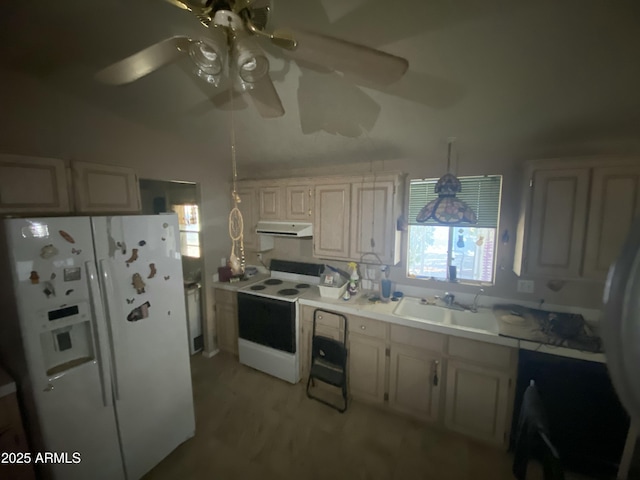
(268, 320)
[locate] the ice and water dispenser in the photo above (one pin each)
(66, 338)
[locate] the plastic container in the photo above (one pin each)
(332, 292)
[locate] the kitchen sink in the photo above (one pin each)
(411, 307)
(479, 320)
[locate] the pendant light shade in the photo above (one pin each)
(447, 209)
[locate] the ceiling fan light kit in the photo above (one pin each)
(232, 27)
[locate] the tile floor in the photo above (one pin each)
(253, 426)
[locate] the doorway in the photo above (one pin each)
(183, 198)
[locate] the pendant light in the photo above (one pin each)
(447, 209)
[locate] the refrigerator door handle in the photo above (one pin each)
(108, 284)
(98, 323)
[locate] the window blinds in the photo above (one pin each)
(482, 194)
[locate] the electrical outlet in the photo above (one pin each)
(526, 286)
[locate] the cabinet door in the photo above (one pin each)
(227, 320)
(414, 381)
(372, 224)
(298, 202)
(270, 203)
(615, 202)
(477, 401)
(249, 209)
(105, 188)
(331, 222)
(33, 185)
(558, 221)
(367, 362)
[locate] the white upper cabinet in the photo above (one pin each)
(574, 217)
(298, 200)
(351, 216)
(614, 203)
(373, 221)
(105, 188)
(358, 218)
(270, 203)
(331, 221)
(33, 185)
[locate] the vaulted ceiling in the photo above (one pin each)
(512, 80)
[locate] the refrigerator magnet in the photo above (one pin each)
(72, 274)
(48, 251)
(133, 257)
(66, 236)
(34, 277)
(153, 271)
(137, 283)
(139, 313)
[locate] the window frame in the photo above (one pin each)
(188, 231)
(451, 235)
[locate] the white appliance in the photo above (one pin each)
(285, 229)
(194, 317)
(268, 323)
(96, 333)
(621, 323)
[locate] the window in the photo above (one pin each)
(470, 248)
(189, 224)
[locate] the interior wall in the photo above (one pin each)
(40, 121)
(586, 294)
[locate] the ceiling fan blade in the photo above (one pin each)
(366, 64)
(179, 4)
(265, 98)
(145, 61)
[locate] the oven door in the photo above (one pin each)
(267, 321)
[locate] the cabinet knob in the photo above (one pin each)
(48, 388)
(319, 317)
(363, 327)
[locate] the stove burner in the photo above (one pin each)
(303, 285)
(257, 287)
(272, 281)
(288, 291)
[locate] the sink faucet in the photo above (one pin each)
(448, 299)
(474, 307)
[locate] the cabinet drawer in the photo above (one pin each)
(226, 296)
(481, 352)
(417, 338)
(365, 326)
(328, 319)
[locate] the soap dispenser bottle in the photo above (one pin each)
(354, 279)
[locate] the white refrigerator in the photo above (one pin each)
(95, 329)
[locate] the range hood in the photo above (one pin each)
(285, 229)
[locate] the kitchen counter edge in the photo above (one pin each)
(384, 313)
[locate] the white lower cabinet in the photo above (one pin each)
(414, 381)
(226, 307)
(461, 384)
(366, 374)
(477, 401)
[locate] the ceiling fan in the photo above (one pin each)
(228, 50)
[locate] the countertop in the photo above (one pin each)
(360, 305)
(242, 283)
(7, 385)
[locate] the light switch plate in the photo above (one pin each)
(526, 286)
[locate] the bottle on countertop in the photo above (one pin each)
(354, 279)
